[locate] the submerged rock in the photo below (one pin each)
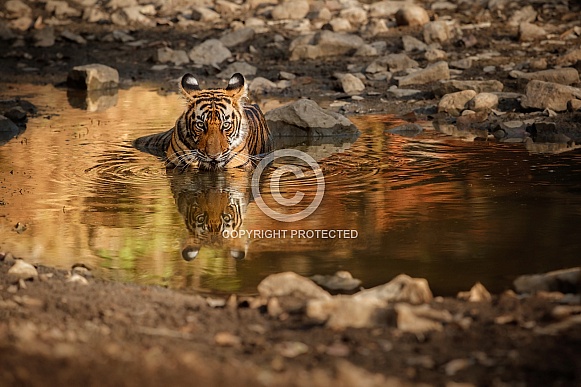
(306, 118)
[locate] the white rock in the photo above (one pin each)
(477, 293)
(528, 32)
(260, 85)
(355, 15)
(454, 103)
(340, 24)
(412, 15)
(421, 318)
(211, 52)
(434, 54)
(236, 37)
(386, 8)
(23, 270)
(437, 32)
(402, 288)
(483, 102)
(291, 9)
(291, 284)
(77, 279)
(17, 9)
(167, 55)
(351, 84)
(61, 9)
(564, 76)
(412, 44)
(435, 72)
(342, 312)
(324, 44)
(546, 95)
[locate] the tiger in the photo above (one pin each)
(217, 130)
(212, 205)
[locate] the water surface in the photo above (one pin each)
(432, 206)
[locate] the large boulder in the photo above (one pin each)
(306, 118)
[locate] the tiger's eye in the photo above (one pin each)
(200, 125)
(226, 125)
(226, 217)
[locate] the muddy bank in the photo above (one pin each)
(60, 329)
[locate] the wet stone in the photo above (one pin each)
(306, 118)
(406, 130)
(93, 77)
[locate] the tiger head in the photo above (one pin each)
(212, 130)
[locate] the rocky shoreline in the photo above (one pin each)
(68, 327)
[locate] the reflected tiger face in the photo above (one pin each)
(209, 215)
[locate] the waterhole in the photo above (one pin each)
(451, 211)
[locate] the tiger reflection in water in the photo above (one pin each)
(212, 204)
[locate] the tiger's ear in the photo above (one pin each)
(189, 83)
(237, 86)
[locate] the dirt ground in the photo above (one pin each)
(53, 332)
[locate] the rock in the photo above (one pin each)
(237, 67)
(406, 130)
(351, 84)
(375, 27)
(454, 103)
(23, 270)
(524, 15)
(528, 32)
(341, 280)
(61, 9)
(17, 9)
(411, 15)
(511, 131)
(224, 7)
(305, 118)
(354, 15)
(386, 8)
(463, 64)
(167, 55)
(437, 32)
(93, 77)
(211, 52)
(477, 293)
(412, 44)
(402, 93)
(564, 76)
(399, 62)
(570, 58)
(543, 95)
(295, 9)
(446, 87)
(73, 37)
(77, 279)
(291, 349)
(420, 319)
(44, 37)
(340, 25)
(366, 50)
(291, 284)
(260, 85)
(574, 105)
(432, 73)
(95, 15)
(227, 339)
(454, 366)
(564, 281)
(341, 312)
(21, 24)
(402, 288)
(433, 54)
(483, 102)
(325, 43)
(205, 15)
(236, 37)
(8, 129)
